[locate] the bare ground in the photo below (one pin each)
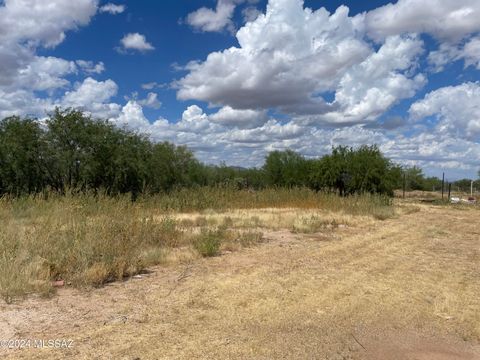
(404, 288)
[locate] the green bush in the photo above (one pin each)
(208, 243)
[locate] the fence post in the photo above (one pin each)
(449, 190)
(443, 184)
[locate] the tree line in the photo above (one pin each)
(416, 180)
(71, 150)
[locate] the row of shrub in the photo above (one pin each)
(70, 150)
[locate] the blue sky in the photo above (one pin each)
(234, 79)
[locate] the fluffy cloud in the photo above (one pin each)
(132, 117)
(250, 13)
(43, 23)
(471, 53)
(206, 19)
(285, 59)
(220, 18)
(22, 103)
(239, 118)
(290, 56)
(449, 20)
(30, 84)
(91, 90)
(112, 9)
(151, 101)
(93, 96)
(369, 89)
(448, 53)
(135, 41)
(27, 24)
(152, 85)
(293, 59)
(89, 67)
(43, 73)
(457, 109)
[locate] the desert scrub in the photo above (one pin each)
(225, 198)
(208, 242)
(313, 224)
(169, 229)
(83, 240)
(90, 239)
(249, 238)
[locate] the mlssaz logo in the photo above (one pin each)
(54, 343)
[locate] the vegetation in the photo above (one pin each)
(208, 243)
(73, 151)
(414, 279)
(464, 185)
(67, 185)
(90, 239)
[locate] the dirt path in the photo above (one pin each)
(405, 288)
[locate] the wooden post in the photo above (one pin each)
(449, 190)
(443, 184)
(404, 183)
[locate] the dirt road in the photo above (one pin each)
(404, 288)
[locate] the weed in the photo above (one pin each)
(208, 242)
(250, 238)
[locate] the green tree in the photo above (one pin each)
(414, 178)
(348, 171)
(171, 166)
(286, 168)
(74, 151)
(22, 152)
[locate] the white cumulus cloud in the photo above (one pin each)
(221, 18)
(34, 20)
(286, 58)
(239, 118)
(113, 9)
(457, 109)
(294, 59)
(448, 53)
(217, 19)
(93, 96)
(135, 41)
(89, 67)
(449, 20)
(151, 101)
(372, 87)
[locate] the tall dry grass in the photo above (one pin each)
(87, 240)
(81, 240)
(225, 198)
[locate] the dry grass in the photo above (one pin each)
(88, 240)
(224, 199)
(404, 288)
(272, 218)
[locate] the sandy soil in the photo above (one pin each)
(404, 288)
